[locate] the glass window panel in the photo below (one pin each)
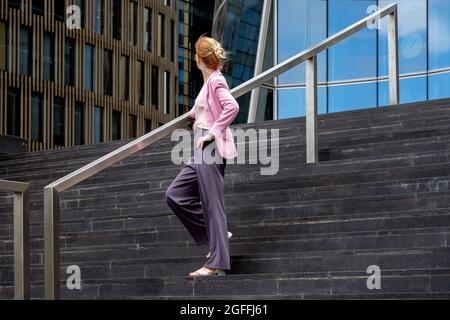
(292, 102)
(439, 34)
(25, 51)
(148, 125)
(383, 93)
(16, 4)
(125, 77)
(69, 62)
(412, 42)
(172, 40)
(13, 112)
(140, 81)
(117, 19)
(155, 87)
(148, 29)
(411, 90)
(133, 23)
(166, 92)
(80, 123)
(133, 126)
(37, 114)
(3, 46)
(58, 121)
(49, 56)
(98, 124)
(356, 56)
(60, 10)
(298, 36)
(439, 86)
(361, 96)
(37, 7)
(412, 20)
(81, 4)
(116, 125)
(98, 16)
(89, 67)
(161, 34)
(108, 72)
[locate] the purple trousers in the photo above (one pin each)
(196, 196)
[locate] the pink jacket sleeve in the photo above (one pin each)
(229, 105)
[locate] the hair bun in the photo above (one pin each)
(211, 52)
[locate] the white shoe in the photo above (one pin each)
(229, 237)
(203, 273)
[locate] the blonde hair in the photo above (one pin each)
(210, 51)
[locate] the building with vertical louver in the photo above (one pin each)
(114, 78)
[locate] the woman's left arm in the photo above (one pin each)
(229, 104)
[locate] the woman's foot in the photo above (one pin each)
(229, 237)
(206, 272)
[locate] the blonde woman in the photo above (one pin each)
(196, 195)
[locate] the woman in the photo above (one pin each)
(202, 181)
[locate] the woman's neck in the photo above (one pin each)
(206, 73)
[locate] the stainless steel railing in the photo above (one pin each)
(52, 191)
(21, 237)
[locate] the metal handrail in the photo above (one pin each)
(21, 237)
(51, 191)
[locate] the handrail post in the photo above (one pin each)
(393, 57)
(21, 221)
(21, 246)
(51, 243)
(312, 153)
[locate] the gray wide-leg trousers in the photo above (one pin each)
(196, 196)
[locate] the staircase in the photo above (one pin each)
(380, 196)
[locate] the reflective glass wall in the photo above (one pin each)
(353, 74)
(236, 27)
(195, 19)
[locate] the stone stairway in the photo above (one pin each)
(380, 196)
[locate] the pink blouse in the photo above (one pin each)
(200, 116)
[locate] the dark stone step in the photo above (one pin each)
(275, 228)
(295, 209)
(292, 158)
(159, 153)
(427, 259)
(335, 149)
(429, 178)
(157, 247)
(351, 284)
(354, 175)
(117, 172)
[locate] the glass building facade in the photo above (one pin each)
(236, 27)
(235, 24)
(195, 19)
(353, 74)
